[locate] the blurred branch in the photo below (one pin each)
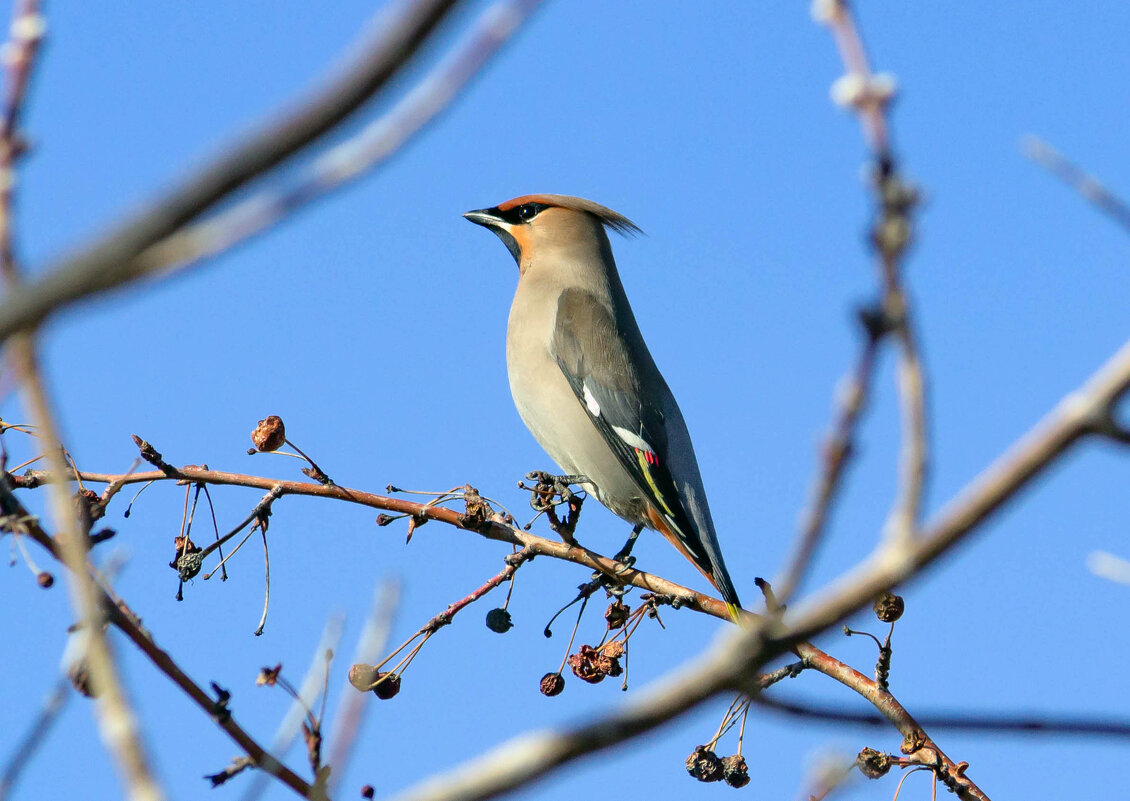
(961, 721)
(350, 711)
(869, 95)
(35, 737)
(124, 619)
(344, 162)
(312, 684)
(836, 452)
(1089, 187)
(1073, 418)
(116, 721)
(112, 258)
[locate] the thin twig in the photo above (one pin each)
(351, 707)
(1089, 187)
(961, 721)
(836, 452)
(120, 616)
(116, 721)
(312, 684)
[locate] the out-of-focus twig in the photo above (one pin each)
(35, 737)
(122, 617)
(116, 721)
(370, 148)
(116, 257)
(836, 452)
(961, 721)
(1088, 186)
(350, 711)
(308, 692)
(869, 96)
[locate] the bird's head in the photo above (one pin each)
(538, 223)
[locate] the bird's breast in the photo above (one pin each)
(555, 416)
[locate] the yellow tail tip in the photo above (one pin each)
(735, 613)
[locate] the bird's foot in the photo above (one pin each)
(549, 487)
(544, 497)
(624, 555)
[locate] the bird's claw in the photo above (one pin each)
(549, 487)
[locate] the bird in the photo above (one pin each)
(585, 383)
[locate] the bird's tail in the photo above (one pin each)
(735, 613)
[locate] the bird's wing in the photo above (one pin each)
(597, 362)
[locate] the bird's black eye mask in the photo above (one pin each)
(517, 215)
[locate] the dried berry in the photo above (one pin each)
(552, 684)
(188, 559)
(614, 649)
(362, 676)
(584, 665)
(873, 764)
(367, 791)
(736, 770)
(889, 607)
(386, 685)
(269, 434)
(188, 565)
(499, 621)
(705, 765)
(44, 579)
(617, 614)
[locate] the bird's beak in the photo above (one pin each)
(482, 217)
(489, 219)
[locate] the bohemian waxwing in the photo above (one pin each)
(583, 379)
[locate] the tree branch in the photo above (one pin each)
(111, 259)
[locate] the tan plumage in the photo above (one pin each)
(584, 381)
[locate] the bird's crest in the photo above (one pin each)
(614, 220)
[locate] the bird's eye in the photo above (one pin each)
(528, 211)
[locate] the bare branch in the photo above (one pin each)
(836, 452)
(112, 259)
(345, 162)
(116, 721)
(120, 616)
(350, 711)
(961, 721)
(1071, 419)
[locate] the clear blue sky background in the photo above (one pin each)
(373, 323)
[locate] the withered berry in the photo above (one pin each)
(705, 765)
(499, 621)
(362, 676)
(269, 434)
(552, 684)
(889, 607)
(736, 770)
(617, 614)
(386, 686)
(873, 764)
(584, 665)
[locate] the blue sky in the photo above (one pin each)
(373, 323)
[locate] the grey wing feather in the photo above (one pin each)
(631, 405)
(598, 364)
